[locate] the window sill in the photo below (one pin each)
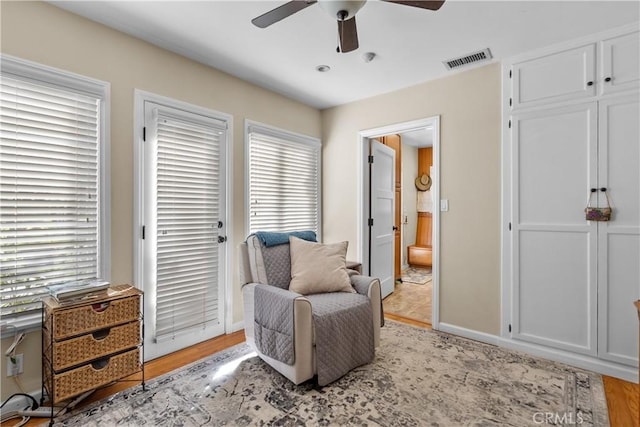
(25, 323)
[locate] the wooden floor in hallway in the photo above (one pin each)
(410, 300)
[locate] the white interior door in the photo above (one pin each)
(554, 165)
(619, 239)
(382, 178)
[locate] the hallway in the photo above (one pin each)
(412, 296)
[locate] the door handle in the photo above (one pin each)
(395, 228)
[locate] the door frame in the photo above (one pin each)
(363, 197)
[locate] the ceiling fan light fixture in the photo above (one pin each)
(344, 11)
(341, 9)
(323, 68)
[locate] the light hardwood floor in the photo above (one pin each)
(623, 398)
(411, 301)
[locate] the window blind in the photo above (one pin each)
(188, 210)
(284, 181)
(49, 190)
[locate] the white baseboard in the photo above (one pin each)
(612, 369)
(468, 333)
(603, 367)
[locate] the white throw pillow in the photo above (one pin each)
(318, 268)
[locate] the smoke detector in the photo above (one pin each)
(368, 57)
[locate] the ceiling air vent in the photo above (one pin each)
(472, 58)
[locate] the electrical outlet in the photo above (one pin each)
(15, 365)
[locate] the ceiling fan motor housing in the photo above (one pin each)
(341, 9)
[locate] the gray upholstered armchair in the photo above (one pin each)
(305, 314)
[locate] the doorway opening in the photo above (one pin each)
(412, 259)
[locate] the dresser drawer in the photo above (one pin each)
(91, 317)
(74, 351)
(92, 375)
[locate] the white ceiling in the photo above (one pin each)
(418, 138)
(410, 43)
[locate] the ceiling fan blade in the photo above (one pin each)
(348, 35)
(431, 5)
(281, 12)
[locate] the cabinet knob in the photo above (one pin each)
(589, 83)
(607, 79)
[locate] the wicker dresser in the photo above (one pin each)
(91, 342)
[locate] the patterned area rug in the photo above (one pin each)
(419, 276)
(418, 378)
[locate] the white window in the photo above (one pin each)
(53, 183)
(283, 179)
(182, 207)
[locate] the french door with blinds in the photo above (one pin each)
(183, 211)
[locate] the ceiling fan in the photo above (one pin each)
(342, 10)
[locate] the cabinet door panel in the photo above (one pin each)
(618, 324)
(554, 292)
(619, 239)
(557, 77)
(619, 155)
(554, 164)
(620, 63)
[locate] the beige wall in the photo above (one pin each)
(409, 198)
(45, 34)
(469, 107)
(468, 103)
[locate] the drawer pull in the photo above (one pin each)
(100, 307)
(101, 334)
(100, 364)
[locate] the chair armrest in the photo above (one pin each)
(362, 284)
(304, 367)
(370, 286)
(279, 292)
(301, 305)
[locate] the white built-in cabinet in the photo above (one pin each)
(559, 76)
(619, 240)
(577, 72)
(620, 63)
(572, 126)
